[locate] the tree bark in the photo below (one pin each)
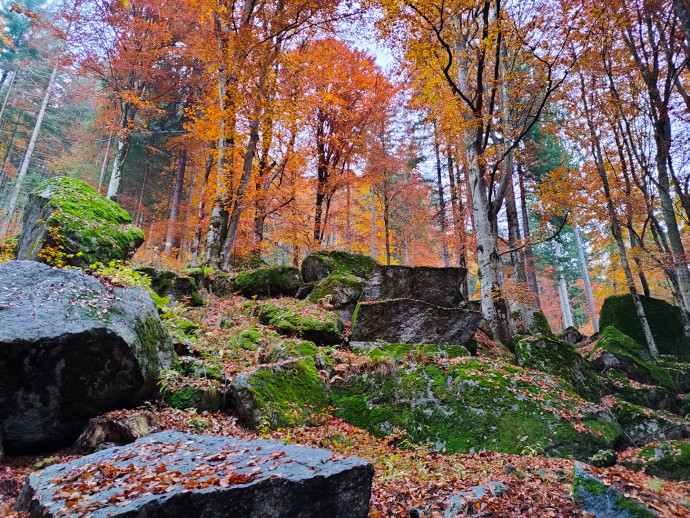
(682, 9)
(441, 199)
(584, 272)
(530, 269)
(172, 239)
(104, 167)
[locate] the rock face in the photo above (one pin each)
(437, 286)
(178, 288)
(282, 395)
(213, 477)
(598, 499)
(319, 265)
(67, 212)
(71, 349)
(664, 321)
(272, 281)
(340, 292)
(413, 322)
(548, 354)
(571, 336)
(472, 404)
(301, 319)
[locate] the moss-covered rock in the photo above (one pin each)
(549, 354)
(282, 395)
(650, 396)
(664, 321)
(571, 335)
(669, 460)
(599, 499)
(617, 351)
(471, 404)
(542, 323)
(202, 395)
(67, 222)
(177, 288)
(679, 370)
(340, 292)
(319, 265)
(431, 352)
(642, 425)
(272, 281)
(222, 284)
(302, 319)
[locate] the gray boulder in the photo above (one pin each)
(117, 430)
(598, 499)
(71, 349)
(571, 336)
(413, 322)
(197, 475)
(438, 286)
(339, 292)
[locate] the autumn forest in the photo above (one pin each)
(541, 144)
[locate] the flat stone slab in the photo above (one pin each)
(438, 286)
(413, 322)
(176, 475)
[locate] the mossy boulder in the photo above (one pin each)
(617, 351)
(549, 354)
(203, 395)
(79, 225)
(272, 281)
(669, 460)
(413, 322)
(281, 395)
(176, 287)
(599, 499)
(71, 348)
(542, 323)
(399, 352)
(642, 425)
(678, 369)
(319, 265)
(340, 292)
(222, 284)
(438, 286)
(302, 319)
(471, 404)
(664, 321)
(571, 335)
(650, 396)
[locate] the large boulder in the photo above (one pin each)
(437, 286)
(68, 213)
(176, 475)
(301, 319)
(116, 429)
(319, 265)
(340, 292)
(71, 348)
(282, 395)
(617, 351)
(549, 354)
(177, 288)
(272, 281)
(650, 396)
(413, 322)
(664, 321)
(470, 404)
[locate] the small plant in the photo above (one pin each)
(44, 462)
(655, 485)
(168, 379)
(530, 450)
(603, 459)
(121, 273)
(198, 423)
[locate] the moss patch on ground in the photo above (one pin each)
(426, 352)
(302, 319)
(669, 460)
(470, 404)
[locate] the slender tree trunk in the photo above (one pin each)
(24, 168)
(104, 167)
(6, 155)
(172, 239)
(196, 244)
(530, 272)
(123, 143)
(565, 300)
(372, 211)
(441, 199)
(584, 272)
(7, 97)
(682, 9)
(140, 212)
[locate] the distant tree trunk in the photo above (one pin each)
(682, 9)
(386, 226)
(24, 168)
(104, 167)
(441, 200)
(584, 272)
(172, 239)
(140, 212)
(529, 255)
(565, 299)
(372, 210)
(124, 141)
(7, 97)
(196, 244)
(8, 149)
(458, 221)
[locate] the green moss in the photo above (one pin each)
(664, 321)
(475, 405)
(354, 264)
(301, 319)
(333, 282)
(669, 460)
(426, 352)
(96, 228)
(267, 282)
(622, 346)
(200, 398)
(542, 323)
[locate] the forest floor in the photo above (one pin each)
(406, 476)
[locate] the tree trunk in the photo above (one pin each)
(19, 178)
(104, 167)
(584, 272)
(531, 272)
(441, 199)
(372, 211)
(682, 9)
(196, 245)
(172, 239)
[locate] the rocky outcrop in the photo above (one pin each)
(281, 395)
(319, 265)
(413, 322)
(203, 476)
(177, 288)
(664, 321)
(437, 286)
(470, 404)
(71, 349)
(68, 213)
(301, 319)
(272, 281)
